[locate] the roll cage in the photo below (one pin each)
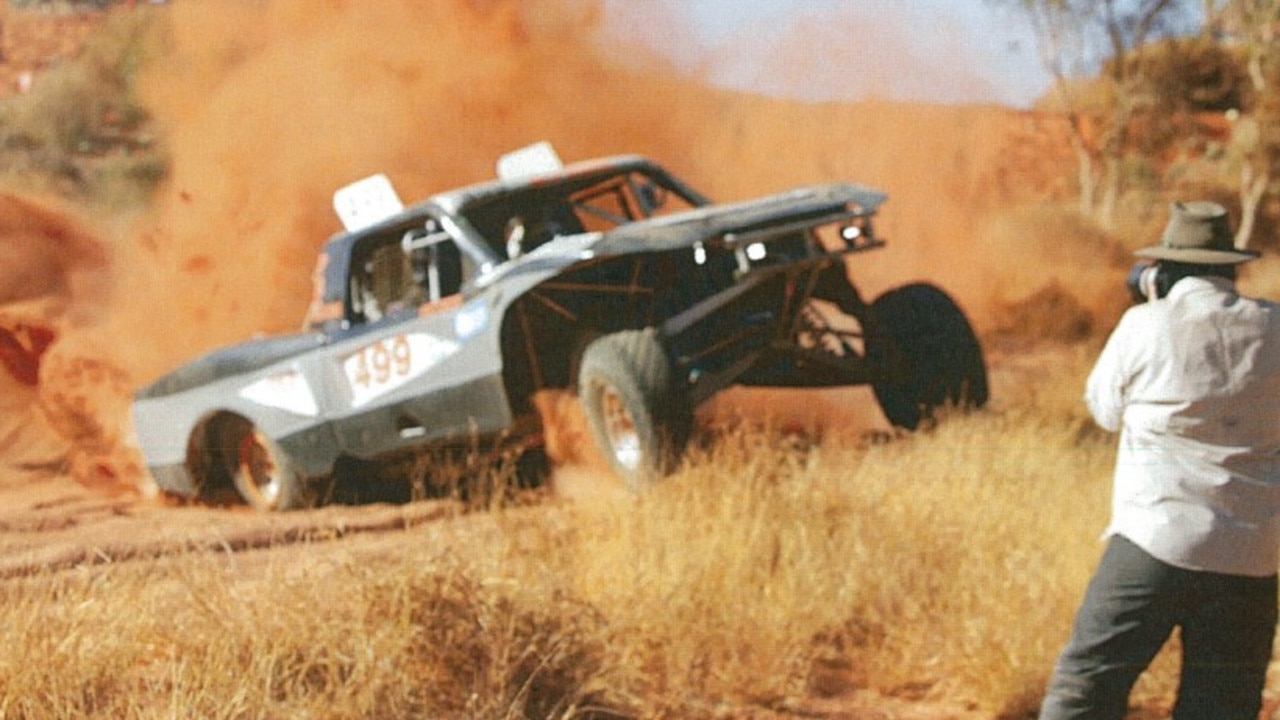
(435, 249)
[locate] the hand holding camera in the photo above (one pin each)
(1146, 281)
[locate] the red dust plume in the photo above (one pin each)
(267, 107)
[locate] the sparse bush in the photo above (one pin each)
(81, 131)
(1196, 74)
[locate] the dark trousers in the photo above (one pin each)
(1132, 605)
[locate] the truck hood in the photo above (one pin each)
(687, 228)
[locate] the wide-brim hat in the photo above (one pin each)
(1197, 233)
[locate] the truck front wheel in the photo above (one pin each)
(625, 387)
(929, 354)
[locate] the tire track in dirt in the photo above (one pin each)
(52, 526)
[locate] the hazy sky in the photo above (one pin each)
(937, 50)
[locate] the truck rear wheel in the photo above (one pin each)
(929, 351)
(625, 387)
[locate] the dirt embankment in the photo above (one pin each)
(267, 107)
(58, 400)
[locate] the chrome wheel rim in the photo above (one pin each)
(257, 465)
(620, 429)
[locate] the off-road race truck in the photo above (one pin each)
(435, 325)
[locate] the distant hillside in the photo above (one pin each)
(35, 37)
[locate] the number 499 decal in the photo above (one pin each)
(384, 365)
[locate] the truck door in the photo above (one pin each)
(414, 370)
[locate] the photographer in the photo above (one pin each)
(1191, 379)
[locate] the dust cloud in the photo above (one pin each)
(267, 107)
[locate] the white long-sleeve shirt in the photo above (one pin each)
(1192, 382)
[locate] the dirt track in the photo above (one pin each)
(55, 524)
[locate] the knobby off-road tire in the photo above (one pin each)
(626, 390)
(931, 351)
(263, 474)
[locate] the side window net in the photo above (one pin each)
(398, 277)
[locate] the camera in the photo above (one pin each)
(1147, 281)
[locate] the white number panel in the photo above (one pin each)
(380, 367)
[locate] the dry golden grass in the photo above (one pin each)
(767, 572)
